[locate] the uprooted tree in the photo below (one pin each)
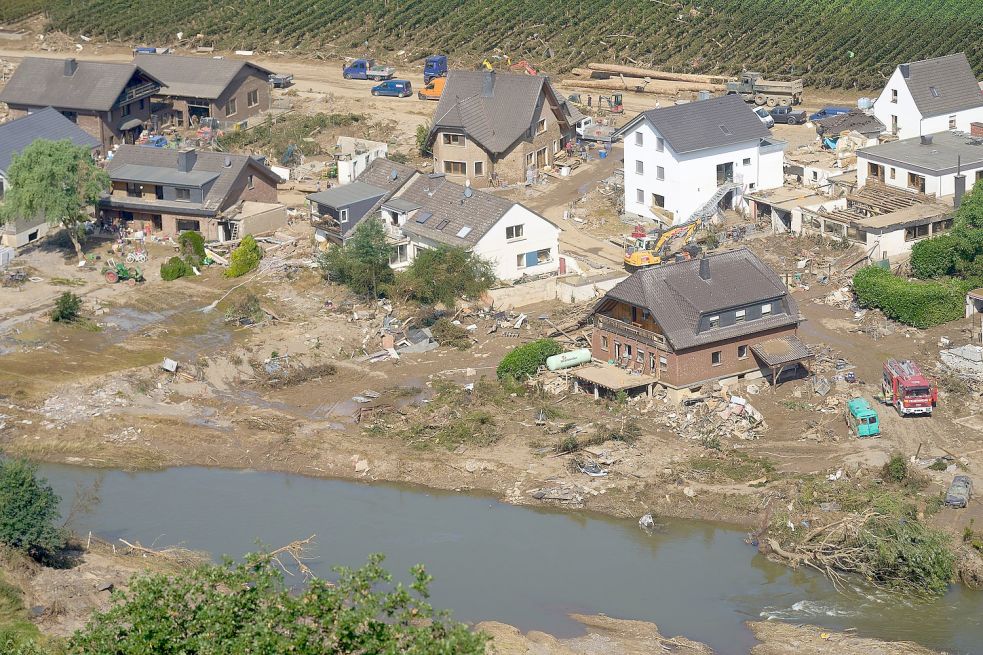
(56, 181)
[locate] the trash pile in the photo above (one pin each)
(719, 415)
(71, 407)
(964, 361)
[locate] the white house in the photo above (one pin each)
(353, 156)
(430, 210)
(689, 159)
(929, 96)
(927, 164)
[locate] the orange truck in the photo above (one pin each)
(433, 89)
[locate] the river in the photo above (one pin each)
(524, 566)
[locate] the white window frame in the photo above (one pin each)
(541, 126)
(742, 349)
(520, 260)
(747, 161)
(639, 167)
(894, 96)
(233, 105)
(766, 309)
(464, 167)
(343, 215)
(660, 173)
(713, 322)
(517, 232)
(660, 144)
(445, 138)
(476, 166)
(639, 138)
(640, 196)
(716, 355)
(249, 98)
(740, 316)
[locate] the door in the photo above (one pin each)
(541, 158)
(725, 173)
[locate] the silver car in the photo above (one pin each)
(960, 491)
(764, 116)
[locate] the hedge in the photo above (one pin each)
(934, 257)
(525, 360)
(915, 303)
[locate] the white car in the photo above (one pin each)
(764, 116)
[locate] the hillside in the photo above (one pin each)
(834, 43)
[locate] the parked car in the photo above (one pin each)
(788, 115)
(960, 491)
(826, 112)
(433, 89)
(396, 88)
(764, 116)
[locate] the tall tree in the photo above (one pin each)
(28, 510)
(362, 262)
(445, 274)
(56, 181)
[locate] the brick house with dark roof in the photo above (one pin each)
(490, 126)
(723, 316)
(172, 191)
(109, 101)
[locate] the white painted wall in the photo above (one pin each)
(938, 185)
(911, 123)
(537, 234)
(690, 179)
(349, 169)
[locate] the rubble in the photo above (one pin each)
(964, 361)
(716, 416)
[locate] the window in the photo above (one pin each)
(916, 232)
(479, 168)
(453, 139)
(627, 351)
(952, 122)
(142, 101)
(660, 173)
(658, 201)
(187, 226)
(894, 124)
(747, 161)
(182, 194)
(179, 119)
(520, 260)
(134, 190)
(916, 182)
(455, 168)
(715, 358)
(230, 107)
(663, 363)
(604, 343)
(639, 139)
(343, 216)
(740, 315)
(891, 172)
(639, 167)
(640, 196)
(766, 309)
(249, 182)
(660, 144)
(556, 146)
(652, 361)
(124, 111)
(541, 126)
(941, 226)
(742, 352)
(640, 357)
(934, 90)
(513, 232)
(714, 322)
(252, 98)
(399, 254)
(894, 96)
(544, 256)
(529, 160)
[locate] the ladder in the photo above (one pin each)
(710, 207)
(233, 230)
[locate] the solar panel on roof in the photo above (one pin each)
(441, 225)
(463, 232)
(423, 217)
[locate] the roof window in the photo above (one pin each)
(934, 91)
(725, 130)
(423, 217)
(463, 232)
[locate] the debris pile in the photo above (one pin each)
(964, 361)
(71, 407)
(717, 416)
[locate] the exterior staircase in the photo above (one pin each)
(709, 209)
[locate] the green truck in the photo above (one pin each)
(862, 419)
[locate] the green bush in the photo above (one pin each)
(174, 268)
(67, 308)
(28, 510)
(919, 304)
(525, 360)
(192, 247)
(934, 257)
(896, 469)
(245, 257)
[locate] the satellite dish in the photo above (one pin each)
(393, 175)
(468, 192)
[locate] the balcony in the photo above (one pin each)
(132, 93)
(615, 326)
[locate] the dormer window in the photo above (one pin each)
(740, 315)
(713, 322)
(182, 194)
(765, 309)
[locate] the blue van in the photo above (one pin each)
(397, 88)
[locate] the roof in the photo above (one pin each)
(712, 123)
(95, 85)
(160, 165)
(347, 194)
(781, 350)
(494, 109)
(677, 296)
(975, 294)
(854, 120)
(942, 85)
(789, 198)
(941, 156)
(195, 77)
(612, 377)
(401, 204)
(47, 124)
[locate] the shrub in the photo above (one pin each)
(362, 263)
(192, 247)
(174, 268)
(525, 360)
(444, 274)
(28, 510)
(896, 469)
(934, 257)
(67, 308)
(446, 333)
(919, 304)
(422, 132)
(244, 258)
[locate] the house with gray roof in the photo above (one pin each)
(48, 124)
(931, 164)
(205, 87)
(930, 96)
(109, 101)
(724, 316)
(688, 161)
(163, 191)
(490, 126)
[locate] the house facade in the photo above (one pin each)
(491, 128)
(927, 164)
(353, 156)
(109, 101)
(692, 158)
(156, 190)
(229, 90)
(725, 316)
(930, 96)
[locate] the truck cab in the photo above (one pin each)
(862, 419)
(434, 66)
(433, 89)
(358, 69)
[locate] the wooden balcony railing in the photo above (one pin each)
(616, 326)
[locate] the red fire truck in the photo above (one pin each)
(905, 387)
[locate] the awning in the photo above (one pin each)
(130, 123)
(781, 350)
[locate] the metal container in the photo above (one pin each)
(566, 360)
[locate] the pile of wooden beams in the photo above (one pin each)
(615, 77)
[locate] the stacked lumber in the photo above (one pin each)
(615, 77)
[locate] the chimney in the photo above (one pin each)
(960, 190)
(71, 65)
(488, 84)
(704, 268)
(926, 139)
(905, 70)
(186, 158)
(976, 128)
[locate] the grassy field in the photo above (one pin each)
(835, 43)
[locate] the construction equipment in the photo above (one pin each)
(523, 66)
(647, 249)
(614, 103)
(861, 418)
(906, 388)
(754, 88)
(492, 62)
(115, 272)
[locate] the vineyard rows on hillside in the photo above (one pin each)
(835, 43)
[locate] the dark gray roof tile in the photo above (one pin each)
(47, 124)
(194, 77)
(40, 82)
(943, 85)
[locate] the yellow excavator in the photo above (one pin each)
(647, 249)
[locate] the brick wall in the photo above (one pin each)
(469, 153)
(264, 189)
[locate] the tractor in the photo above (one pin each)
(118, 272)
